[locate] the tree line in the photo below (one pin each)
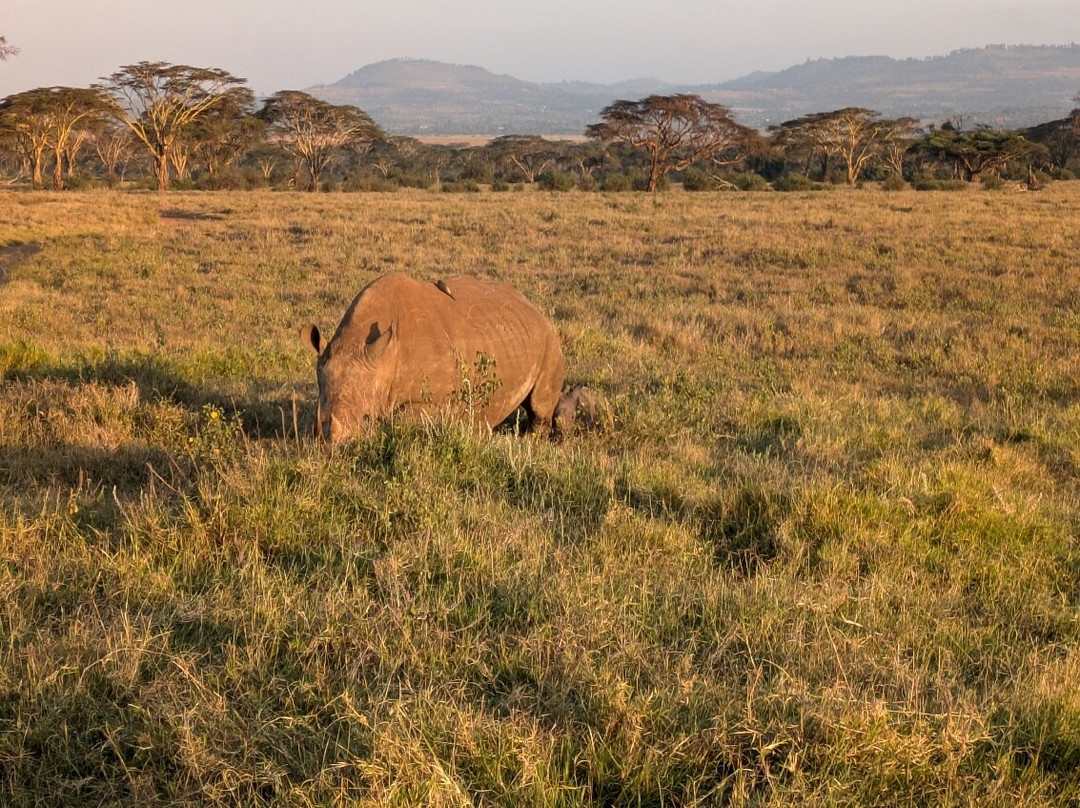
(166, 126)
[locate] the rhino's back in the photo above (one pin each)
(470, 309)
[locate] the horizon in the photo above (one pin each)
(570, 80)
(644, 78)
(278, 44)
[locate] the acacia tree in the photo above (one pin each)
(29, 131)
(6, 50)
(855, 135)
(531, 155)
(975, 152)
(55, 119)
(225, 136)
(1060, 137)
(161, 103)
(586, 158)
(806, 140)
(898, 141)
(394, 153)
(859, 135)
(314, 131)
(675, 130)
(112, 143)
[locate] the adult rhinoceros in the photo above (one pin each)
(463, 346)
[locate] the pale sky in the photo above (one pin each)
(292, 44)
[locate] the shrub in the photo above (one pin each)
(80, 183)
(931, 184)
(556, 180)
(694, 179)
(500, 186)
(409, 180)
(615, 182)
(461, 186)
(229, 178)
(795, 182)
(479, 172)
(894, 182)
(640, 182)
(751, 182)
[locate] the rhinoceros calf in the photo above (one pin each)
(463, 346)
(580, 408)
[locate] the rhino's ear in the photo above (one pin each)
(375, 349)
(309, 335)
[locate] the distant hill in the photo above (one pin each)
(417, 96)
(999, 85)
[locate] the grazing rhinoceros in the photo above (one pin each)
(463, 346)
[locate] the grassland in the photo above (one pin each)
(828, 553)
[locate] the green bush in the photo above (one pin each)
(409, 180)
(894, 182)
(694, 179)
(751, 182)
(461, 186)
(930, 184)
(639, 181)
(478, 172)
(615, 182)
(500, 186)
(556, 180)
(795, 182)
(229, 178)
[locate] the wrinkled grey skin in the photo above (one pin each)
(463, 347)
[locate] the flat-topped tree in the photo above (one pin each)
(676, 131)
(857, 136)
(162, 102)
(226, 133)
(1061, 137)
(51, 119)
(314, 131)
(530, 155)
(976, 152)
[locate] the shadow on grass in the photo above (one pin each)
(741, 527)
(14, 254)
(128, 469)
(194, 215)
(262, 418)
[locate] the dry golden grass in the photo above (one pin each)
(827, 554)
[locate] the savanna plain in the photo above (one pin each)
(826, 551)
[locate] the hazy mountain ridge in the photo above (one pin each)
(999, 85)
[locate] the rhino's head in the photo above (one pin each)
(353, 378)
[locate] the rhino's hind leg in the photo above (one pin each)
(543, 399)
